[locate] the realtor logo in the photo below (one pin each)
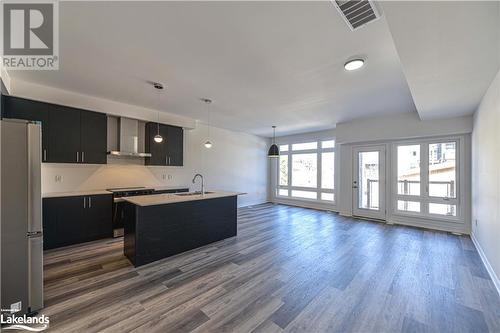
(30, 35)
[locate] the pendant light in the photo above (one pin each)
(208, 144)
(158, 138)
(273, 150)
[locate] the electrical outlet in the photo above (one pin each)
(58, 178)
(170, 177)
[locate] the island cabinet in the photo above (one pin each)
(169, 152)
(76, 219)
(69, 135)
(158, 231)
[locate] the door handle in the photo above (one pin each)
(169, 160)
(45, 154)
(90, 202)
(83, 156)
(77, 157)
(84, 203)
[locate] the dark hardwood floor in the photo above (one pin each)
(289, 269)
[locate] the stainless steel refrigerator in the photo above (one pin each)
(21, 217)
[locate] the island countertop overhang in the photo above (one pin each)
(163, 199)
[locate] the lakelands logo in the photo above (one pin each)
(24, 323)
(30, 35)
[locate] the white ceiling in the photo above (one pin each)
(262, 63)
(450, 52)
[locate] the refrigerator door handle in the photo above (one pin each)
(34, 139)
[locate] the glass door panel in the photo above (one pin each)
(369, 182)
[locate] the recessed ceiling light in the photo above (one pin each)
(354, 64)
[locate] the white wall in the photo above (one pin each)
(384, 131)
(400, 126)
(48, 94)
(486, 177)
(236, 162)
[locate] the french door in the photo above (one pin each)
(368, 182)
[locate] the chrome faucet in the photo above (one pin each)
(202, 182)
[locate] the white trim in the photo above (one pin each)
(486, 263)
(320, 205)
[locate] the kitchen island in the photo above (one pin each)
(159, 226)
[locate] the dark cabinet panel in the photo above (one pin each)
(20, 108)
(175, 146)
(64, 135)
(170, 151)
(69, 135)
(97, 217)
(62, 221)
(158, 150)
(93, 137)
(76, 219)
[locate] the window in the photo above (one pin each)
(306, 170)
(426, 181)
(283, 170)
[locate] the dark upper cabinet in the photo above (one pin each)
(175, 146)
(69, 135)
(158, 150)
(64, 135)
(170, 152)
(93, 137)
(20, 108)
(76, 219)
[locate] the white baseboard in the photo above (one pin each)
(486, 263)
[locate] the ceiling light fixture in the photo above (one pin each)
(354, 64)
(158, 138)
(208, 144)
(273, 150)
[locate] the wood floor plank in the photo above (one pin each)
(289, 269)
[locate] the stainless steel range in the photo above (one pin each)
(118, 204)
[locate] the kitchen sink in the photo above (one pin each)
(183, 194)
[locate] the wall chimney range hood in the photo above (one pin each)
(128, 139)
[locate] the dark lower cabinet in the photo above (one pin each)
(76, 219)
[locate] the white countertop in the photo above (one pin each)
(162, 199)
(97, 192)
(74, 193)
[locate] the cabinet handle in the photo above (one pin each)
(45, 154)
(77, 157)
(166, 160)
(169, 160)
(83, 156)
(84, 205)
(90, 202)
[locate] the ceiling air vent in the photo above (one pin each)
(357, 13)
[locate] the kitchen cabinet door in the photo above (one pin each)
(93, 138)
(175, 146)
(97, 217)
(157, 150)
(64, 135)
(63, 222)
(20, 108)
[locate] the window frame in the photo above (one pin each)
(424, 198)
(318, 189)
